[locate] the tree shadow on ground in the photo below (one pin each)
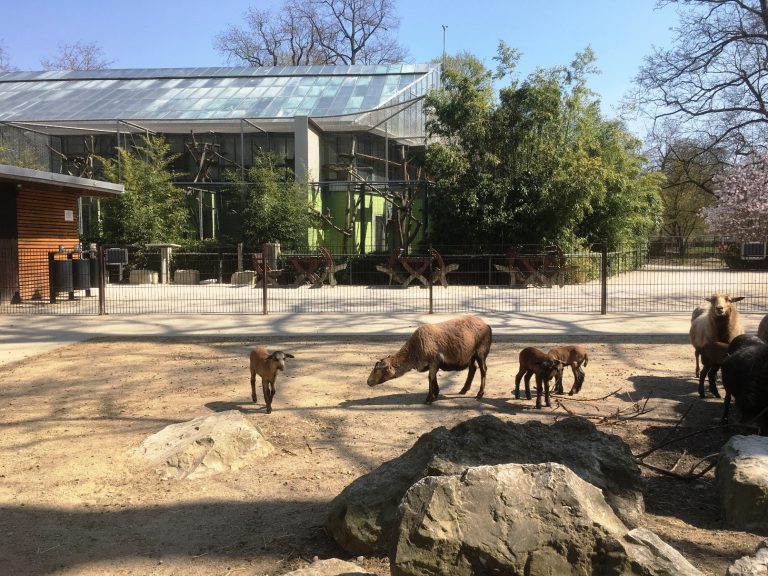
(63, 539)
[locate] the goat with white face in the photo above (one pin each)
(266, 365)
(716, 321)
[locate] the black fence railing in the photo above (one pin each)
(649, 277)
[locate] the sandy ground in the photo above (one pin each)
(70, 503)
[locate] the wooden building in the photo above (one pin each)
(38, 215)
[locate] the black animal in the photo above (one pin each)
(745, 377)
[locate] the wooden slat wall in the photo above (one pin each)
(42, 229)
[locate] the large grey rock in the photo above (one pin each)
(363, 518)
(754, 565)
(742, 480)
(202, 447)
(331, 567)
(533, 519)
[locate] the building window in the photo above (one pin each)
(753, 250)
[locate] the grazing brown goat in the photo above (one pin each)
(716, 321)
(575, 357)
(451, 345)
(545, 367)
(266, 365)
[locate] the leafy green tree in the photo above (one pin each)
(276, 206)
(537, 164)
(152, 209)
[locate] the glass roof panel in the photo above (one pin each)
(213, 93)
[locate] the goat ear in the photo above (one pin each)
(738, 299)
(710, 300)
(289, 355)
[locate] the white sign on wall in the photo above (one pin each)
(69, 216)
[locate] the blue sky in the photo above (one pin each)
(172, 33)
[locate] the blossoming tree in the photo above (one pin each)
(741, 211)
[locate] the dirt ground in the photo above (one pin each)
(70, 503)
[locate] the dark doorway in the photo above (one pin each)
(9, 255)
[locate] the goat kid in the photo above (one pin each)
(575, 357)
(545, 367)
(266, 365)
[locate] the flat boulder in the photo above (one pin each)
(330, 567)
(742, 481)
(753, 565)
(533, 519)
(202, 447)
(363, 518)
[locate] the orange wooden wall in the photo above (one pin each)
(42, 228)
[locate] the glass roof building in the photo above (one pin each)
(335, 126)
(382, 100)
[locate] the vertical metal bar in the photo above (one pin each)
(102, 282)
(242, 152)
(239, 256)
(71, 294)
(200, 212)
(431, 301)
(264, 279)
(51, 283)
(604, 280)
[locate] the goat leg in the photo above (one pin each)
(470, 376)
(483, 370)
(713, 381)
(726, 406)
(253, 386)
(518, 377)
(267, 395)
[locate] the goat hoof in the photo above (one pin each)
(528, 397)
(463, 390)
(479, 396)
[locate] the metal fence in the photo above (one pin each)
(653, 278)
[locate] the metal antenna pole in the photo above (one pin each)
(444, 29)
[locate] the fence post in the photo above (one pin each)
(71, 293)
(264, 278)
(102, 281)
(431, 302)
(604, 279)
(51, 283)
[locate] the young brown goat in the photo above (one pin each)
(575, 357)
(545, 367)
(266, 365)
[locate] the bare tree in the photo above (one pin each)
(315, 32)
(270, 38)
(5, 62)
(77, 56)
(710, 86)
(358, 31)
